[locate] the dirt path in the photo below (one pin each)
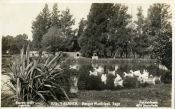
(4, 87)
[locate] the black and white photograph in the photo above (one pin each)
(87, 53)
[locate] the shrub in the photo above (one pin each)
(37, 79)
(131, 82)
(167, 77)
(83, 77)
(110, 81)
(94, 83)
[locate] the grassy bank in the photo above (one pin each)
(130, 97)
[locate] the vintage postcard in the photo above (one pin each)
(87, 53)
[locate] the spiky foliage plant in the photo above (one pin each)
(37, 79)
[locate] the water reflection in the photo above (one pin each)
(100, 76)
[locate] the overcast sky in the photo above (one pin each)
(16, 17)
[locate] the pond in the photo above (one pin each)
(114, 74)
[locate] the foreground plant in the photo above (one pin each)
(37, 79)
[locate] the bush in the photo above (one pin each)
(131, 82)
(167, 77)
(94, 83)
(110, 81)
(33, 80)
(83, 77)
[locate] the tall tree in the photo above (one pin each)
(67, 22)
(60, 38)
(119, 29)
(40, 26)
(142, 44)
(82, 26)
(80, 31)
(140, 21)
(107, 30)
(93, 38)
(160, 33)
(55, 16)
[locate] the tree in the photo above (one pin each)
(40, 26)
(107, 30)
(67, 21)
(93, 39)
(55, 16)
(140, 21)
(8, 44)
(21, 41)
(160, 33)
(142, 44)
(60, 38)
(80, 30)
(4, 44)
(13, 45)
(54, 39)
(119, 30)
(82, 27)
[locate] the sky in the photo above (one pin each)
(17, 17)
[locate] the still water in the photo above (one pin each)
(100, 76)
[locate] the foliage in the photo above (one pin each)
(167, 77)
(80, 31)
(94, 83)
(67, 21)
(83, 77)
(119, 31)
(131, 83)
(21, 41)
(91, 40)
(160, 33)
(110, 32)
(106, 30)
(82, 27)
(8, 43)
(55, 16)
(55, 39)
(34, 80)
(40, 26)
(141, 38)
(110, 81)
(13, 45)
(60, 35)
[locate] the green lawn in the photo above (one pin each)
(130, 97)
